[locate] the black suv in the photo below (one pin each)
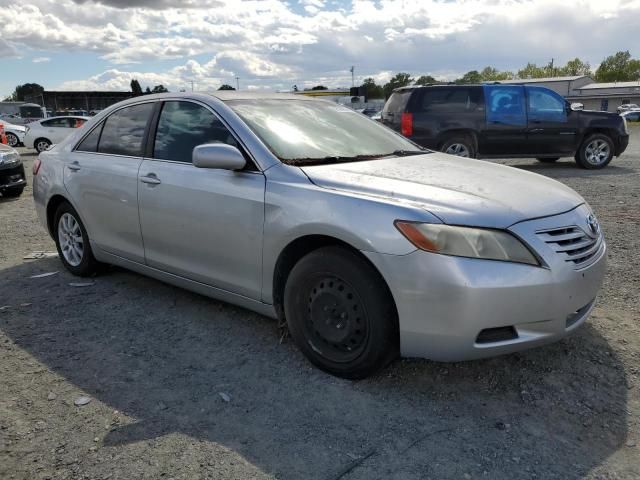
(505, 120)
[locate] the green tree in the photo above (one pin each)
(619, 67)
(401, 79)
(159, 89)
(491, 74)
(425, 80)
(470, 77)
(373, 89)
(533, 71)
(147, 91)
(226, 87)
(320, 87)
(26, 90)
(136, 89)
(575, 67)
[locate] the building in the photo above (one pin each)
(607, 97)
(59, 101)
(565, 86)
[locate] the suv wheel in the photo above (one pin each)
(72, 242)
(340, 313)
(595, 152)
(460, 146)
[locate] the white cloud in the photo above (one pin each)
(266, 43)
(41, 59)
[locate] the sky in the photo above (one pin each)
(275, 44)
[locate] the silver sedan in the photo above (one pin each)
(303, 210)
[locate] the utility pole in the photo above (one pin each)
(237, 83)
(192, 85)
(552, 68)
(353, 84)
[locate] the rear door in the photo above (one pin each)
(505, 131)
(198, 223)
(441, 109)
(393, 109)
(552, 126)
(102, 179)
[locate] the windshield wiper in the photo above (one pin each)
(330, 159)
(406, 153)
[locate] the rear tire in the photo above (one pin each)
(548, 160)
(72, 242)
(460, 146)
(340, 313)
(41, 145)
(595, 152)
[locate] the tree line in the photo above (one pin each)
(619, 67)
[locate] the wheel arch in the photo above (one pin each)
(608, 131)
(52, 206)
(296, 250)
(454, 132)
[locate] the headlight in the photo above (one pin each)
(9, 157)
(466, 242)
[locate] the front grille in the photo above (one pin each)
(574, 244)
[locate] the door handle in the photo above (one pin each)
(150, 179)
(74, 166)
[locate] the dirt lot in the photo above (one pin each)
(154, 360)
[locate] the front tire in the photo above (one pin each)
(340, 313)
(42, 145)
(460, 146)
(72, 242)
(12, 140)
(595, 152)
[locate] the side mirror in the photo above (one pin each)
(218, 155)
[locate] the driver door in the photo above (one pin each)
(202, 224)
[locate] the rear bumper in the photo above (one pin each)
(621, 144)
(444, 303)
(12, 177)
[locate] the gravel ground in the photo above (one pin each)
(156, 362)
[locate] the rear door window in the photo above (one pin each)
(123, 131)
(505, 105)
(56, 123)
(185, 125)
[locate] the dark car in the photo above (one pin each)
(505, 121)
(12, 179)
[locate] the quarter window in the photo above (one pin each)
(545, 105)
(183, 126)
(90, 142)
(123, 131)
(505, 105)
(449, 100)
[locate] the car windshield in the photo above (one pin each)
(308, 132)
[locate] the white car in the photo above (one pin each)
(628, 107)
(14, 133)
(44, 133)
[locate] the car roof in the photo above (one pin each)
(64, 116)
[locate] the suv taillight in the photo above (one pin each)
(36, 166)
(406, 124)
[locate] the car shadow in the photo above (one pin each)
(162, 356)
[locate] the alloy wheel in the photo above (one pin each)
(597, 152)
(458, 149)
(71, 239)
(12, 140)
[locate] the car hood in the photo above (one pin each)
(459, 191)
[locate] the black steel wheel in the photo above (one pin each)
(340, 313)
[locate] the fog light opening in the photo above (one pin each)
(497, 334)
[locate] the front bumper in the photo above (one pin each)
(621, 144)
(12, 177)
(444, 302)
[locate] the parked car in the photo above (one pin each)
(627, 107)
(44, 133)
(504, 121)
(631, 116)
(364, 243)
(12, 179)
(14, 133)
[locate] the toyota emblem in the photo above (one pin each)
(593, 224)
